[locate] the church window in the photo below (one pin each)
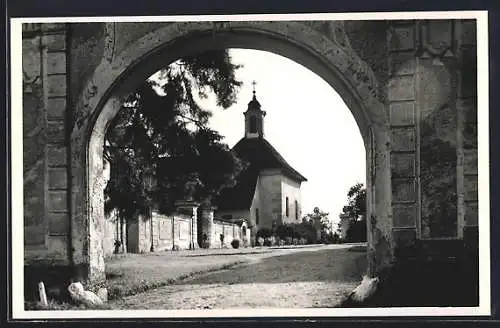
(256, 216)
(296, 210)
(287, 211)
(253, 124)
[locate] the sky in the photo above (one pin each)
(306, 121)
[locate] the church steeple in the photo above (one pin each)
(254, 118)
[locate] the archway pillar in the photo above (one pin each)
(207, 226)
(379, 197)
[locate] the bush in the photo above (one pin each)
(267, 242)
(235, 243)
(356, 231)
(288, 241)
(264, 233)
(260, 241)
(281, 242)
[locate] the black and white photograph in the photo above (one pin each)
(250, 165)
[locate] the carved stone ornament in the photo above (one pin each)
(109, 41)
(436, 38)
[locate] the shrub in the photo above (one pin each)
(264, 233)
(260, 241)
(288, 241)
(267, 242)
(282, 231)
(235, 243)
(356, 231)
(281, 242)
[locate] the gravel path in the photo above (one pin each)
(256, 295)
(312, 277)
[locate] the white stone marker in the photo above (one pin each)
(43, 295)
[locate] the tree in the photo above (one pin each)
(321, 219)
(355, 212)
(159, 145)
(264, 233)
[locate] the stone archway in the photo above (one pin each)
(322, 47)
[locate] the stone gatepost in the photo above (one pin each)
(207, 224)
(189, 207)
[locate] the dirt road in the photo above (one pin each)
(311, 277)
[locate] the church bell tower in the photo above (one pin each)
(254, 118)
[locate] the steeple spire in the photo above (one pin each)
(254, 117)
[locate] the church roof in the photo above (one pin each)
(261, 155)
(254, 103)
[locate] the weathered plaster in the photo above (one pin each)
(356, 83)
(391, 101)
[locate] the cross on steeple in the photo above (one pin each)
(253, 84)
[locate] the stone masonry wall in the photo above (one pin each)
(467, 125)
(431, 103)
(45, 142)
(404, 134)
(432, 106)
(164, 227)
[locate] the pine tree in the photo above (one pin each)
(159, 145)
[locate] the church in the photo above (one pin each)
(267, 193)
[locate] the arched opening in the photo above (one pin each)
(253, 124)
(111, 83)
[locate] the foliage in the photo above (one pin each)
(159, 146)
(319, 215)
(269, 241)
(235, 243)
(306, 231)
(296, 231)
(264, 233)
(356, 231)
(355, 212)
(356, 202)
(284, 231)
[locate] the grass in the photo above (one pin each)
(129, 275)
(128, 286)
(125, 287)
(54, 305)
(132, 274)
